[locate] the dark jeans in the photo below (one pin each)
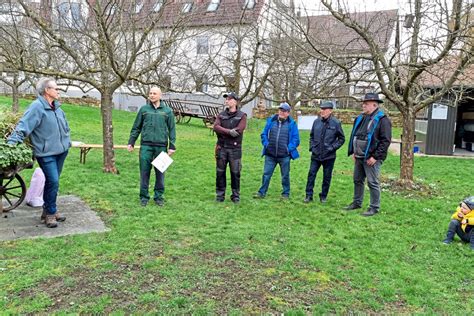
(231, 156)
(455, 227)
(147, 155)
(52, 167)
(269, 167)
(328, 166)
(362, 171)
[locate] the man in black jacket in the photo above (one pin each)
(229, 127)
(369, 142)
(325, 139)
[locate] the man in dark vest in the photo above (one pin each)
(325, 139)
(280, 140)
(369, 142)
(229, 127)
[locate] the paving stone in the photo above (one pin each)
(24, 221)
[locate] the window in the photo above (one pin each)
(187, 7)
(165, 83)
(138, 7)
(367, 64)
(213, 5)
(202, 45)
(249, 4)
(70, 14)
(202, 84)
(157, 6)
(231, 42)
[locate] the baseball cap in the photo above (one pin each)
(232, 95)
(285, 107)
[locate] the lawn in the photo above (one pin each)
(263, 256)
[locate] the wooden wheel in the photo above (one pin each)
(186, 119)
(178, 117)
(12, 192)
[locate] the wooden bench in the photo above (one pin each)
(184, 111)
(85, 148)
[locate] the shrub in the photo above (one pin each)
(12, 155)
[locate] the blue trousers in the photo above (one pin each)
(269, 167)
(328, 166)
(52, 167)
(455, 228)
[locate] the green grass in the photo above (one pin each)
(262, 256)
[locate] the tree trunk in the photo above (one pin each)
(15, 98)
(107, 132)
(408, 142)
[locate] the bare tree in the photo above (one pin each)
(98, 43)
(436, 43)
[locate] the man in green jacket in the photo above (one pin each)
(155, 121)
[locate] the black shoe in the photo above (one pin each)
(370, 212)
(258, 196)
(285, 197)
(219, 199)
(143, 202)
(351, 207)
(323, 199)
(236, 200)
(159, 202)
(308, 199)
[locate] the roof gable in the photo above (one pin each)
(329, 33)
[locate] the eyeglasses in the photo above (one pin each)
(57, 89)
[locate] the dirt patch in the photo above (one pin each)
(417, 189)
(254, 286)
(220, 282)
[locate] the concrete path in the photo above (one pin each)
(24, 221)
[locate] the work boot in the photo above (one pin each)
(51, 221)
(236, 200)
(258, 196)
(59, 216)
(159, 202)
(308, 199)
(143, 202)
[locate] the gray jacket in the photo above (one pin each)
(47, 128)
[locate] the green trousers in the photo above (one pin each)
(147, 155)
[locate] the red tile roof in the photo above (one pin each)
(229, 12)
(329, 33)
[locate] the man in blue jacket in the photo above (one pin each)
(280, 140)
(46, 125)
(368, 146)
(325, 139)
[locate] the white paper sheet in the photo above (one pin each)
(162, 162)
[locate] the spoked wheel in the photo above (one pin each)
(186, 119)
(178, 117)
(12, 192)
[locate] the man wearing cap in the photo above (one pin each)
(325, 139)
(369, 142)
(229, 127)
(280, 140)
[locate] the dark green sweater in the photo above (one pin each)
(157, 126)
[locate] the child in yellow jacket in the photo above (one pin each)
(462, 223)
